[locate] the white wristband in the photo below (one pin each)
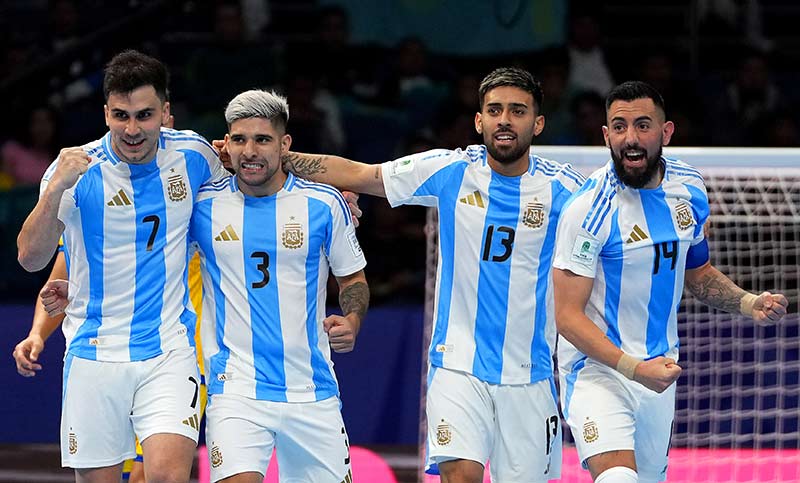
(627, 365)
(746, 304)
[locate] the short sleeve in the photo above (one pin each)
(419, 178)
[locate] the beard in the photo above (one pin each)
(507, 155)
(639, 178)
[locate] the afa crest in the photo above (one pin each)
(292, 236)
(534, 214)
(73, 443)
(590, 432)
(216, 456)
(683, 216)
(176, 188)
(443, 434)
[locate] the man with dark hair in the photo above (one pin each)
(626, 244)
(123, 204)
(491, 394)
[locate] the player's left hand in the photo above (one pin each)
(352, 202)
(54, 297)
(222, 149)
(769, 308)
(341, 331)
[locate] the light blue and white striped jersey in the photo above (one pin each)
(265, 262)
(636, 244)
(125, 234)
(493, 314)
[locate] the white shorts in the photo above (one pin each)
(105, 404)
(309, 437)
(608, 412)
(515, 426)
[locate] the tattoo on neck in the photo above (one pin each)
(304, 165)
(355, 299)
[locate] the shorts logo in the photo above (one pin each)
(683, 215)
(176, 187)
(443, 434)
(192, 422)
(292, 236)
(224, 376)
(216, 456)
(534, 214)
(444, 348)
(73, 443)
(590, 432)
(94, 341)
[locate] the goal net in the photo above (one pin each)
(737, 413)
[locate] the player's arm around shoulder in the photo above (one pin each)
(38, 238)
(715, 289)
(343, 173)
(354, 300)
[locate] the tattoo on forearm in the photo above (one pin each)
(304, 165)
(718, 291)
(377, 172)
(355, 298)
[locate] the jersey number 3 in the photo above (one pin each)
(262, 267)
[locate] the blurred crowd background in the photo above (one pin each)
(373, 80)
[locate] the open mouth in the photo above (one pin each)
(133, 145)
(634, 158)
(250, 166)
(504, 138)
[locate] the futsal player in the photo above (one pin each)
(267, 241)
(491, 393)
(123, 204)
(627, 244)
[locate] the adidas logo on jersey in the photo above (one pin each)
(474, 199)
(228, 234)
(193, 422)
(637, 234)
(120, 199)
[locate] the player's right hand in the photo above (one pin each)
(657, 374)
(54, 296)
(222, 149)
(72, 163)
(26, 353)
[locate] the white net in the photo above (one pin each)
(738, 399)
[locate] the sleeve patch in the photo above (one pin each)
(585, 250)
(402, 166)
(354, 245)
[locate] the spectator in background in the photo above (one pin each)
(227, 64)
(554, 70)
(26, 159)
(587, 64)
(588, 111)
(316, 117)
(747, 102)
(454, 123)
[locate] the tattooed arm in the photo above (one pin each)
(354, 300)
(713, 288)
(342, 173)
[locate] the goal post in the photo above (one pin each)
(738, 399)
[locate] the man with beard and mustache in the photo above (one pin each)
(491, 393)
(626, 244)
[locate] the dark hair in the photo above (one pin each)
(632, 90)
(130, 70)
(515, 77)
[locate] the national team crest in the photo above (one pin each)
(176, 188)
(534, 214)
(73, 443)
(216, 456)
(590, 432)
(683, 215)
(292, 236)
(443, 434)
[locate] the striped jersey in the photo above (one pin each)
(493, 316)
(265, 263)
(636, 245)
(125, 237)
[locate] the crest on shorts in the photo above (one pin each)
(292, 236)
(590, 432)
(176, 187)
(73, 443)
(683, 215)
(216, 456)
(443, 434)
(534, 214)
